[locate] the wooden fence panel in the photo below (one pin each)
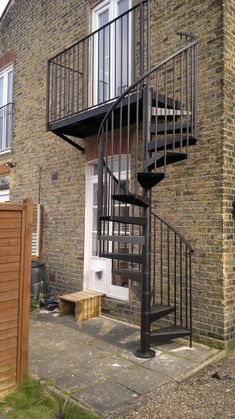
(15, 268)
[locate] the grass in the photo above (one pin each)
(32, 401)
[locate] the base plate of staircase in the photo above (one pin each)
(83, 304)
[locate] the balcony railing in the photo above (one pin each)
(99, 67)
(6, 126)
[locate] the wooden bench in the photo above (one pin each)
(83, 304)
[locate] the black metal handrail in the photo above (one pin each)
(171, 270)
(166, 100)
(83, 76)
(155, 68)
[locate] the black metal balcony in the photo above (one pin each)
(84, 79)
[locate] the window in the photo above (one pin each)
(6, 89)
(112, 50)
(4, 188)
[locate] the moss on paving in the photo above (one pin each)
(32, 401)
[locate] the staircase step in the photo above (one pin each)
(129, 274)
(158, 159)
(149, 179)
(124, 239)
(132, 199)
(125, 220)
(172, 332)
(159, 310)
(162, 101)
(124, 256)
(169, 128)
(170, 142)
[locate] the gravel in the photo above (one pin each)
(209, 394)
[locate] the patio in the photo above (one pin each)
(94, 363)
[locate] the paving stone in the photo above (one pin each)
(169, 365)
(75, 379)
(198, 353)
(106, 397)
(141, 380)
(109, 366)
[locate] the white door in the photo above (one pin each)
(98, 271)
(112, 50)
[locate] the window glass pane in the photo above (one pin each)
(122, 47)
(9, 87)
(103, 53)
(94, 219)
(1, 129)
(8, 116)
(4, 183)
(123, 6)
(1, 91)
(95, 194)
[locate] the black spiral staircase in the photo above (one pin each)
(137, 140)
(141, 130)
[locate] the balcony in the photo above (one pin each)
(85, 79)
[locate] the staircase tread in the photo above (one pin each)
(132, 199)
(124, 239)
(170, 142)
(135, 258)
(168, 330)
(170, 127)
(131, 273)
(160, 307)
(149, 179)
(124, 220)
(171, 157)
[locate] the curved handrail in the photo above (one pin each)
(149, 72)
(191, 249)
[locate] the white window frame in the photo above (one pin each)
(112, 6)
(4, 74)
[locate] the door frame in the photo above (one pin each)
(100, 264)
(112, 5)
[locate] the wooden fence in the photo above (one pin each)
(15, 268)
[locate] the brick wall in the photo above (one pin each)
(195, 196)
(228, 169)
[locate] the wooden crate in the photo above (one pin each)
(84, 305)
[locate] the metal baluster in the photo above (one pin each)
(78, 62)
(186, 287)
(83, 73)
(69, 87)
(161, 265)
(186, 97)
(165, 122)
(174, 99)
(175, 276)
(190, 296)
(181, 101)
(168, 266)
(181, 285)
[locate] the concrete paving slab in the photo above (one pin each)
(109, 366)
(75, 379)
(106, 397)
(169, 365)
(141, 380)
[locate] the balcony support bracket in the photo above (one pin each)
(68, 140)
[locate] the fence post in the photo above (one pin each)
(24, 293)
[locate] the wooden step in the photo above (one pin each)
(167, 333)
(83, 304)
(159, 159)
(124, 239)
(159, 310)
(148, 179)
(169, 128)
(132, 199)
(136, 258)
(170, 143)
(129, 274)
(124, 220)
